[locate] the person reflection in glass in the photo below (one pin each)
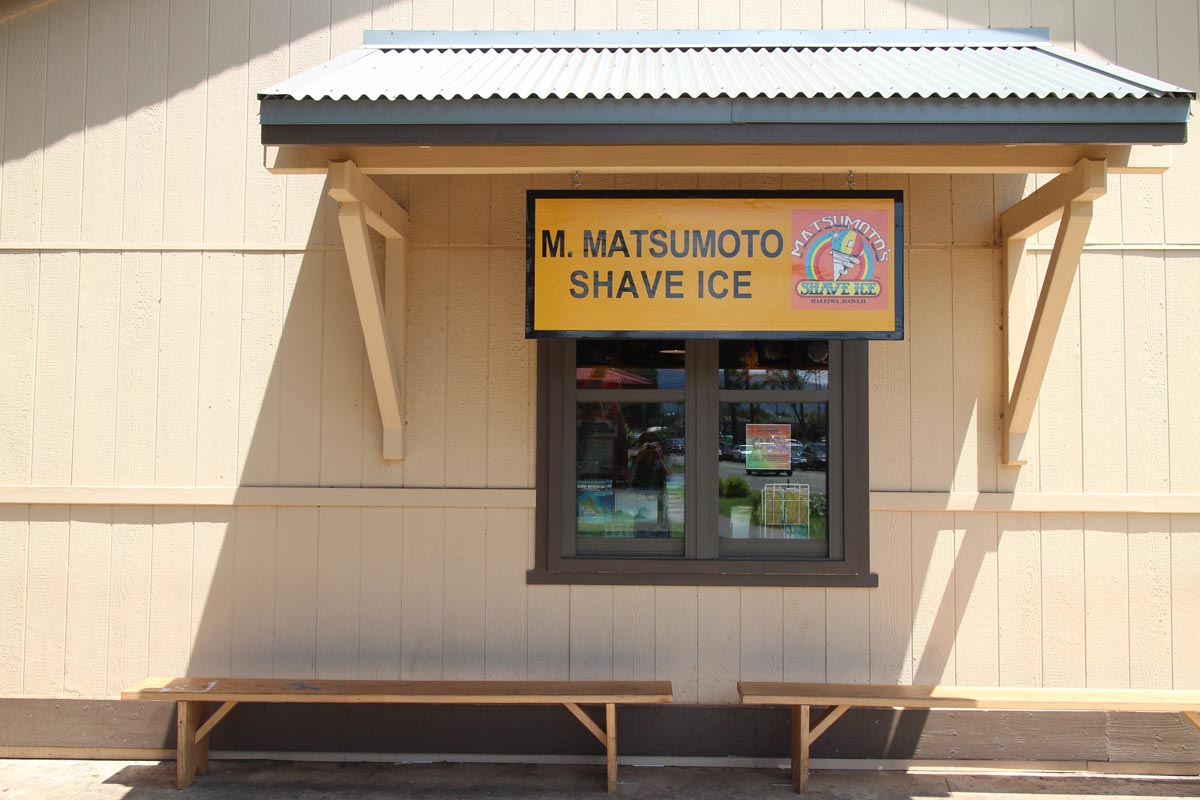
(650, 468)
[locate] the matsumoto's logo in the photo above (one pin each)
(839, 259)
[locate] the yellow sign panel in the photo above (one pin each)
(767, 263)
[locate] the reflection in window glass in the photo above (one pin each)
(774, 468)
(629, 364)
(797, 365)
(629, 470)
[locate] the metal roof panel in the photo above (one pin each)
(450, 70)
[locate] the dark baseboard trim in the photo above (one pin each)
(675, 732)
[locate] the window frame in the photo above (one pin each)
(848, 420)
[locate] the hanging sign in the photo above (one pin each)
(715, 264)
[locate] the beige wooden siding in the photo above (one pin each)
(173, 315)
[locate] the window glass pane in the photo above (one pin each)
(773, 468)
(629, 470)
(768, 364)
(632, 364)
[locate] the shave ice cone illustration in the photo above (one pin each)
(844, 260)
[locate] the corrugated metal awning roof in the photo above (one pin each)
(775, 82)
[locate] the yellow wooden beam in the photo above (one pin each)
(1052, 302)
(363, 206)
(1070, 198)
(566, 159)
(1084, 183)
(395, 282)
(368, 295)
(347, 184)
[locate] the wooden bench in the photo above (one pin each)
(837, 699)
(192, 696)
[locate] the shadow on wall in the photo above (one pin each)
(326, 592)
(164, 51)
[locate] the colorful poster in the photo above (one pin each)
(636, 505)
(840, 260)
(770, 447)
(820, 264)
(594, 501)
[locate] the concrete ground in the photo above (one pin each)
(264, 780)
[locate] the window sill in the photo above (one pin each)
(868, 580)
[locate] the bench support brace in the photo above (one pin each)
(191, 738)
(607, 735)
(1193, 717)
(804, 734)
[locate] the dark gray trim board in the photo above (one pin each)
(740, 133)
(727, 111)
(666, 731)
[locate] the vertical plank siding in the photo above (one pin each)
(135, 121)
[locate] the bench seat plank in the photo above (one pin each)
(256, 690)
(952, 697)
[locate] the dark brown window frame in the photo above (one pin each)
(849, 407)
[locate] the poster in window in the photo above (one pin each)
(636, 505)
(594, 501)
(770, 447)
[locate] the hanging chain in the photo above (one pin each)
(850, 180)
(577, 181)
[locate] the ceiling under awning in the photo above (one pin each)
(720, 87)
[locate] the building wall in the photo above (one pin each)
(171, 315)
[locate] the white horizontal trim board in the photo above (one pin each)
(292, 496)
(411, 497)
(165, 247)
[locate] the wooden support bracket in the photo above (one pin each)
(363, 206)
(212, 721)
(1193, 717)
(607, 736)
(191, 738)
(587, 721)
(1069, 198)
(804, 733)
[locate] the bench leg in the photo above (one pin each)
(801, 741)
(186, 762)
(610, 731)
(200, 746)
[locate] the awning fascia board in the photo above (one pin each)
(785, 159)
(363, 206)
(726, 134)
(579, 114)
